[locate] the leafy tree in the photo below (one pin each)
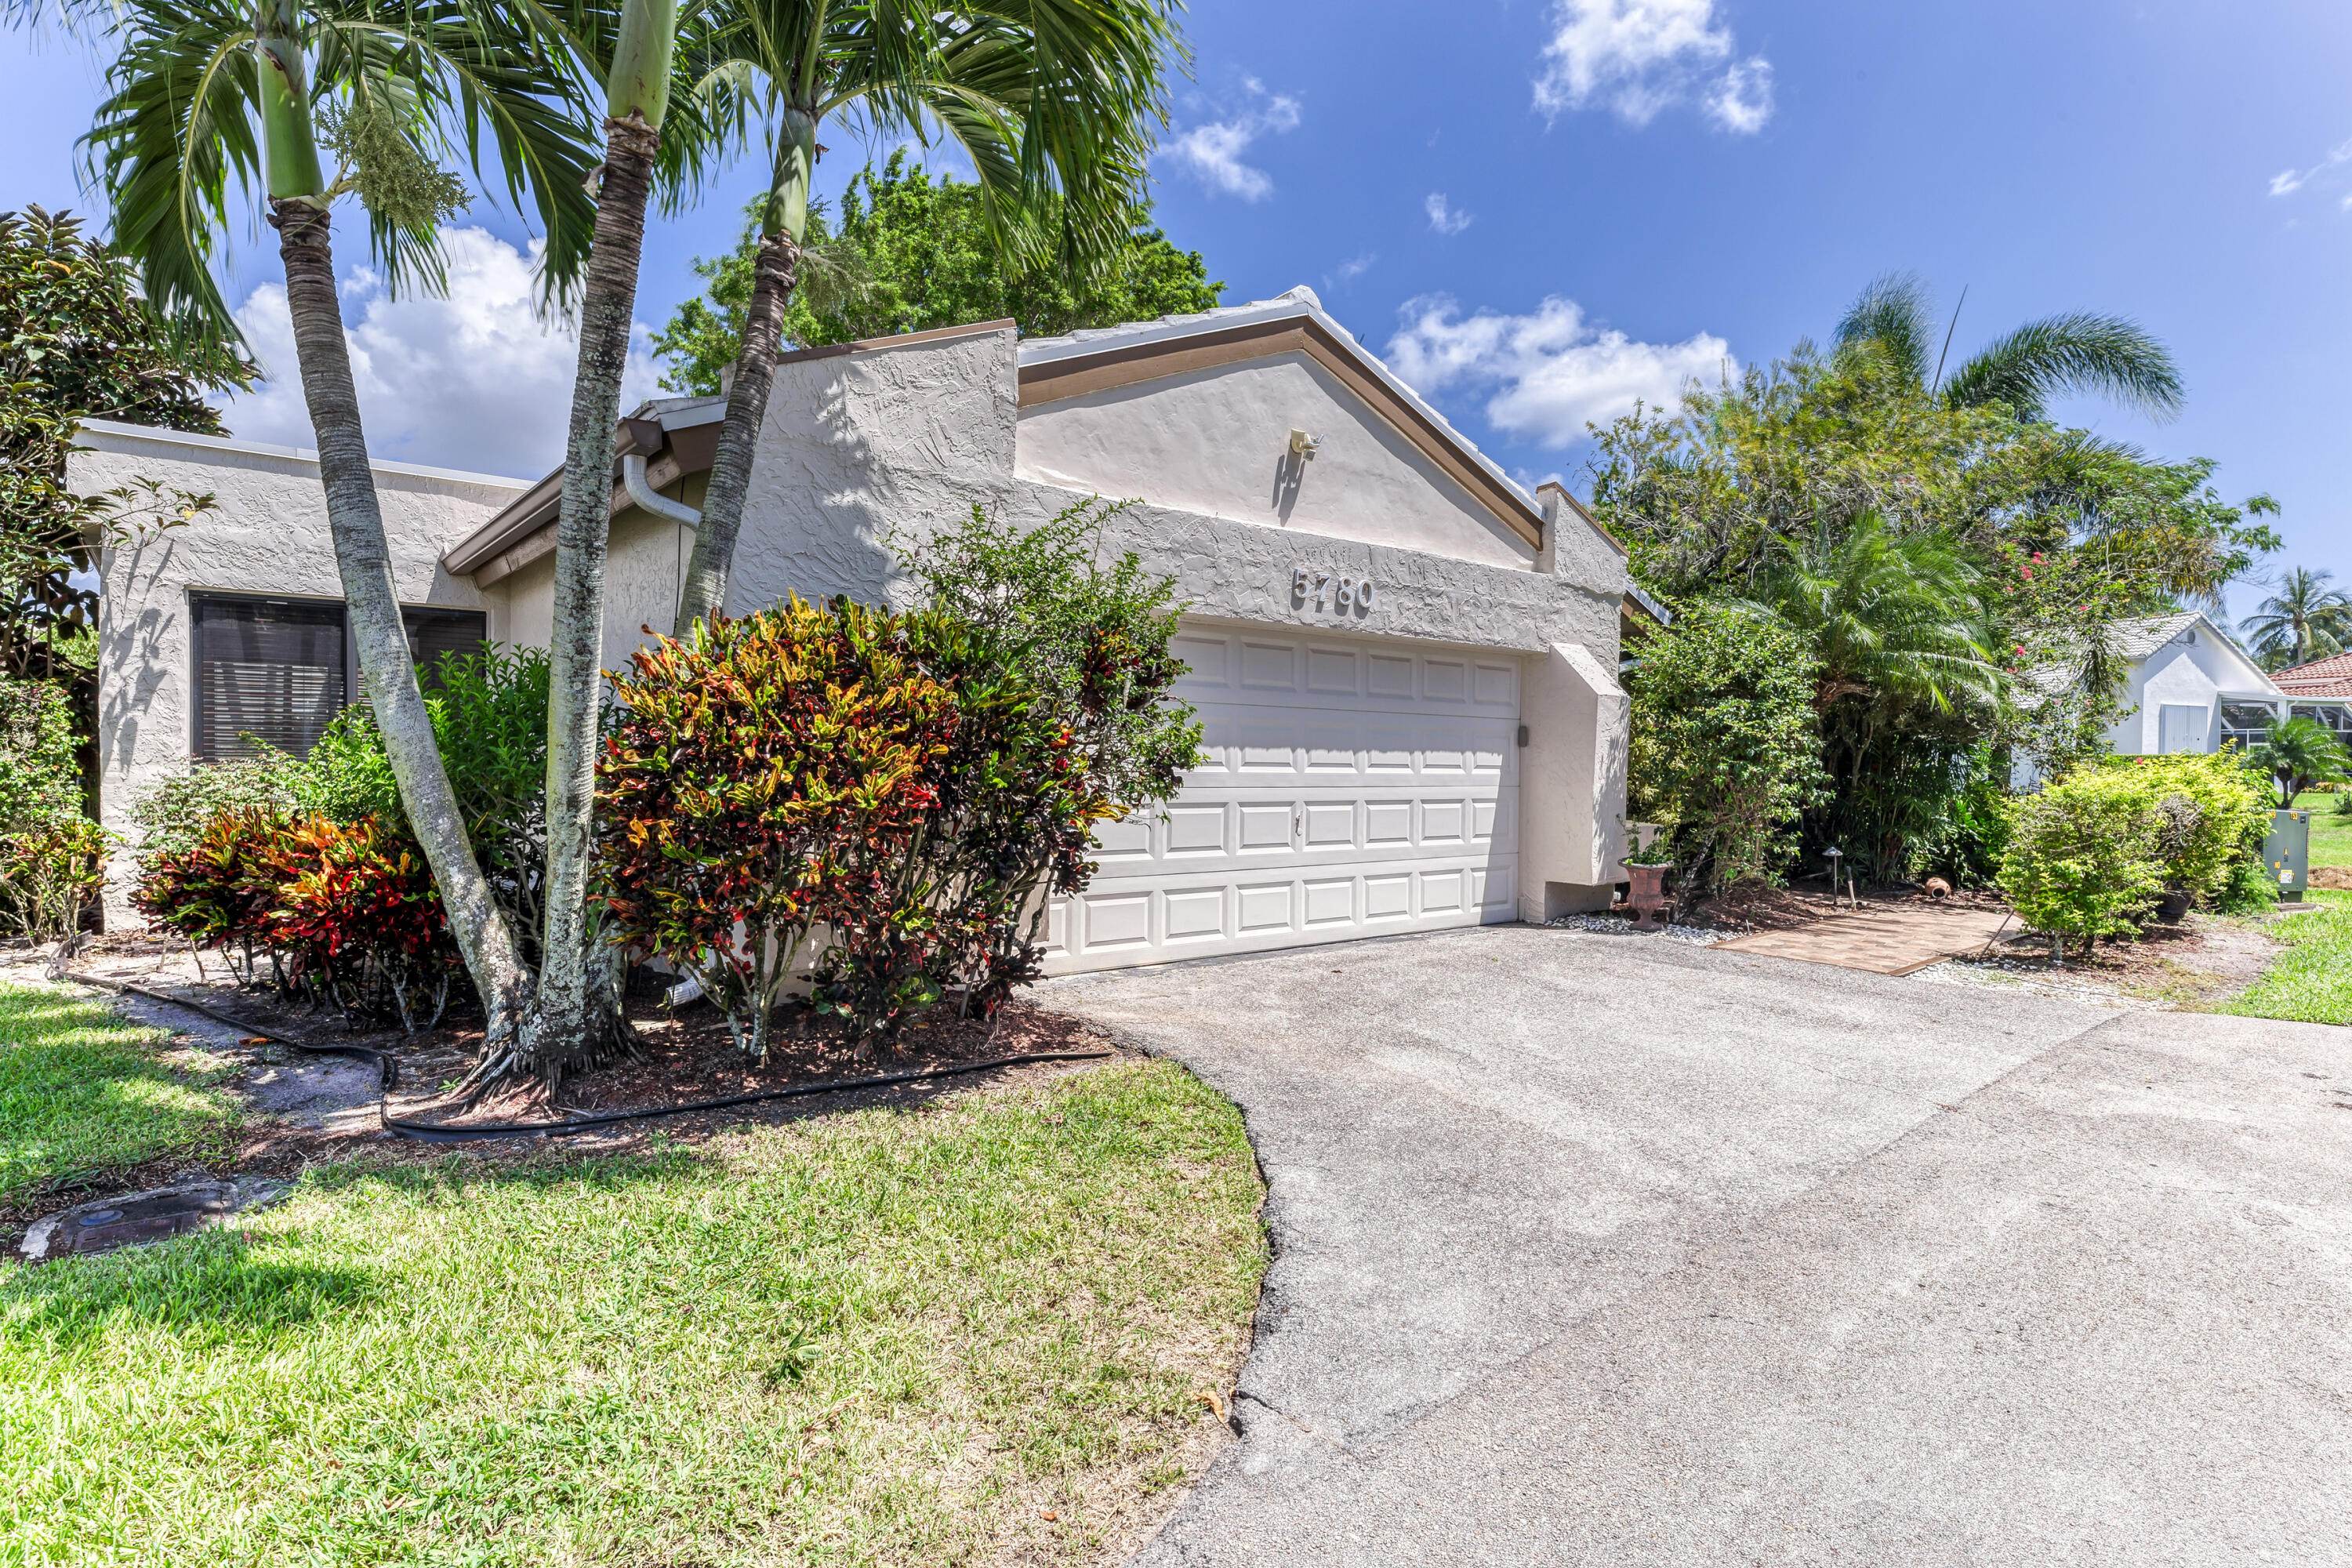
(78, 340)
(1056, 106)
(2305, 619)
(1725, 745)
(2022, 369)
(2300, 754)
(909, 255)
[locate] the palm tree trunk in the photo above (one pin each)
(775, 272)
(372, 609)
(299, 211)
(568, 1036)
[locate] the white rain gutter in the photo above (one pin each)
(632, 480)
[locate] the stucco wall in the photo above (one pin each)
(1215, 443)
(268, 533)
(905, 437)
(1245, 571)
(644, 570)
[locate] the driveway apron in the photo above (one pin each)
(1592, 1248)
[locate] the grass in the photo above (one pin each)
(897, 1336)
(82, 1092)
(2331, 833)
(2311, 980)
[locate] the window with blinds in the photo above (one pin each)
(272, 673)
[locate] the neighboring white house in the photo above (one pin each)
(2191, 689)
(1404, 662)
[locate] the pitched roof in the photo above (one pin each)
(2321, 678)
(1097, 358)
(2143, 636)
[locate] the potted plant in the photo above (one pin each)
(1646, 866)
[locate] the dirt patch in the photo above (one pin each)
(2338, 877)
(2202, 961)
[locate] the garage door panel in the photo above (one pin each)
(1333, 672)
(1352, 788)
(1195, 913)
(1269, 667)
(1195, 830)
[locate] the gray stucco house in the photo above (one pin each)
(1404, 661)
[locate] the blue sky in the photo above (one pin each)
(1540, 209)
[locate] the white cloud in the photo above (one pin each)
(1212, 151)
(2286, 181)
(1442, 218)
(1348, 271)
(1638, 58)
(473, 381)
(1742, 101)
(1550, 371)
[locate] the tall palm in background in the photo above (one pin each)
(211, 104)
(1054, 102)
(2304, 620)
(2027, 368)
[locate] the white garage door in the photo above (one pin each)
(1355, 786)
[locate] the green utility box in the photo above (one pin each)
(2288, 852)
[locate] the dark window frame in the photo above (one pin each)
(200, 598)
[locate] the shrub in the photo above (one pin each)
(52, 858)
(758, 769)
(346, 913)
(356, 905)
(1725, 747)
(887, 783)
(173, 815)
(2209, 812)
(1093, 641)
(218, 892)
(2083, 858)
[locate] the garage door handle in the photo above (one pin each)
(1297, 825)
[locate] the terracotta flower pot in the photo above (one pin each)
(1647, 895)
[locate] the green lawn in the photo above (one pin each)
(894, 1336)
(81, 1092)
(2311, 980)
(2331, 835)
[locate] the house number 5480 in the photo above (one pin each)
(1343, 595)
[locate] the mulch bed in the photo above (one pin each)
(1757, 906)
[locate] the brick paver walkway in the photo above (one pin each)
(1885, 936)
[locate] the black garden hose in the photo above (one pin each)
(427, 1132)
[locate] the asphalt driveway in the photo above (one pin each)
(1604, 1250)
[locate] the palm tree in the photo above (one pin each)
(2300, 754)
(1896, 620)
(2304, 620)
(1044, 97)
(578, 1020)
(2026, 368)
(204, 93)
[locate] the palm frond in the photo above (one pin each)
(2107, 355)
(1892, 318)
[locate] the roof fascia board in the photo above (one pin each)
(1071, 368)
(115, 431)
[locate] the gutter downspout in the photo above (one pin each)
(632, 480)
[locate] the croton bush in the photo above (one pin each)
(345, 913)
(873, 799)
